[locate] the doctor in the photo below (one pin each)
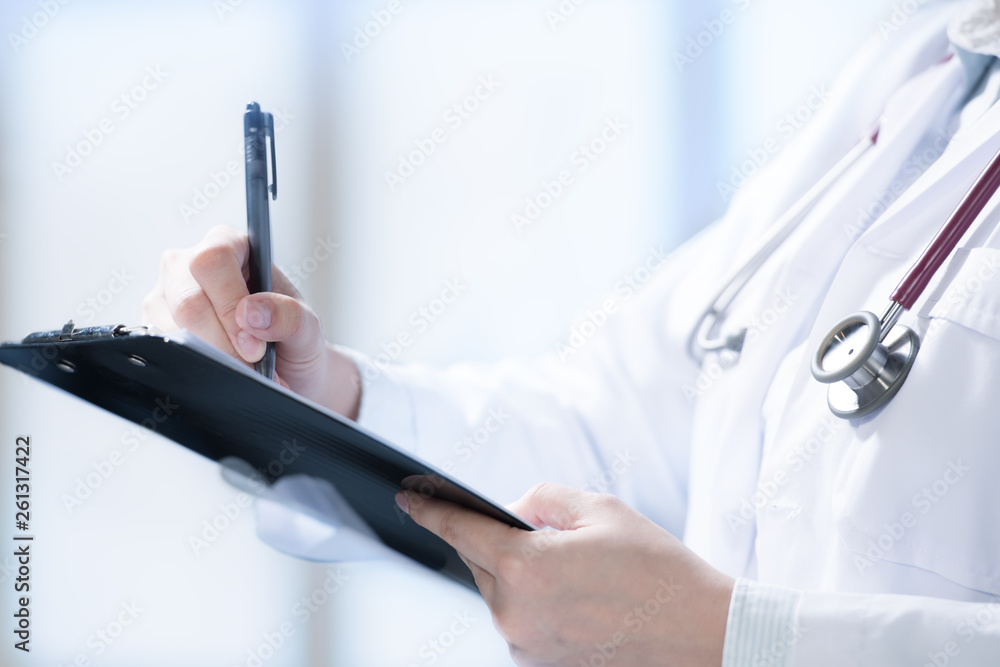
(807, 539)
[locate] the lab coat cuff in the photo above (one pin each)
(762, 627)
(387, 407)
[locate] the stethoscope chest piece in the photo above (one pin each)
(863, 372)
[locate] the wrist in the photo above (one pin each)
(718, 600)
(342, 390)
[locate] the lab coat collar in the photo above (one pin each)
(967, 153)
(975, 37)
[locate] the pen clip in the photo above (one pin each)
(269, 133)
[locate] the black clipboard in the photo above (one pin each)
(192, 393)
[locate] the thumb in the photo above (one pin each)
(270, 317)
(554, 505)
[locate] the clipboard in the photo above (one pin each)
(199, 397)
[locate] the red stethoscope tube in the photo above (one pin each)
(940, 247)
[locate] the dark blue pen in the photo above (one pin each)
(257, 127)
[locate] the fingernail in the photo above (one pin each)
(251, 347)
(402, 501)
(258, 315)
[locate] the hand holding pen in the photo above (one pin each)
(225, 291)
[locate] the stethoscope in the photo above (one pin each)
(865, 359)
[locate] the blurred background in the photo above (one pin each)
(120, 136)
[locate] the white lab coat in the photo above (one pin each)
(866, 527)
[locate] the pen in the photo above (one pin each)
(257, 127)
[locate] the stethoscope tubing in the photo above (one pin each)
(864, 365)
(702, 340)
(866, 360)
(913, 284)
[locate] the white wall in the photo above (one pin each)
(350, 119)
(67, 239)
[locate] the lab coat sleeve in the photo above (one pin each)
(779, 627)
(609, 410)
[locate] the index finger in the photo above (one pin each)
(476, 536)
(218, 265)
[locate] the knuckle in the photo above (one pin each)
(449, 527)
(294, 316)
(168, 259)
(224, 234)
(210, 260)
(190, 308)
(226, 238)
(606, 501)
(150, 307)
(149, 302)
(513, 569)
(543, 490)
